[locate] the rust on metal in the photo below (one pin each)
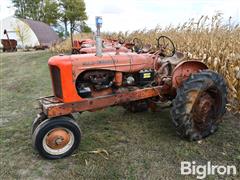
(9, 45)
(118, 78)
(192, 96)
(203, 110)
(54, 108)
(184, 69)
(88, 46)
(57, 138)
(103, 92)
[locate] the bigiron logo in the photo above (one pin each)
(202, 171)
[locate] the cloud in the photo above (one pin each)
(124, 15)
(138, 14)
(112, 8)
(6, 9)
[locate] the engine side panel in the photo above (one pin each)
(86, 62)
(70, 67)
(141, 62)
(124, 62)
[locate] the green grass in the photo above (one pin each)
(141, 146)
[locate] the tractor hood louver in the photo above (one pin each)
(56, 81)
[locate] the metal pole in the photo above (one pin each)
(98, 37)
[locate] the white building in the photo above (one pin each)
(27, 32)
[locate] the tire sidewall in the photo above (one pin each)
(182, 119)
(46, 126)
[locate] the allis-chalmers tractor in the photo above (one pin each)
(137, 82)
(88, 46)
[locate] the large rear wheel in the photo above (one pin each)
(199, 105)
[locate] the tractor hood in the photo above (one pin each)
(123, 62)
(60, 60)
(108, 49)
(65, 69)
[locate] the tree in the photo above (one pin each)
(50, 12)
(21, 9)
(39, 10)
(85, 28)
(72, 12)
(59, 30)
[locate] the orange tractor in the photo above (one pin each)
(88, 46)
(137, 82)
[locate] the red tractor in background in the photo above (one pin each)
(78, 45)
(88, 46)
(135, 81)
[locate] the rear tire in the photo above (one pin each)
(57, 137)
(199, 105)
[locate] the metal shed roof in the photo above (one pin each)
(44, 33)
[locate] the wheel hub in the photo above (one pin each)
(203, 108)
(205, 103)
(57, 139)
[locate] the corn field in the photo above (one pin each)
(208, 39)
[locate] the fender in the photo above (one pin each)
(184, 69)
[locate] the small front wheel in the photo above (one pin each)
(57, 137)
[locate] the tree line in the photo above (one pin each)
(64, 15)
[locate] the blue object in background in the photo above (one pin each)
(99, 21)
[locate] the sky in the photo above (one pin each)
(130, 15)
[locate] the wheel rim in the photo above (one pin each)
(58, 141)
(205, 109)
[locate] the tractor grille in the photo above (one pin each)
(56, 78)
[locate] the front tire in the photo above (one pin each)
(57, 137)
(40, 118)
(199, 105)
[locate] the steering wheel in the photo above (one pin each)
(121, 39)
(166, 46)
(138, 45)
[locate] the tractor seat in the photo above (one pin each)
(175, 59)
(146, 48)
(129, 45)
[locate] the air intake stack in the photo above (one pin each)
(98, 36)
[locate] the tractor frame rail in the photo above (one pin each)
(51, 106)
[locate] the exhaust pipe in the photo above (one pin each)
(98, 46)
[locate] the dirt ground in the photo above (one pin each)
(140, 145)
